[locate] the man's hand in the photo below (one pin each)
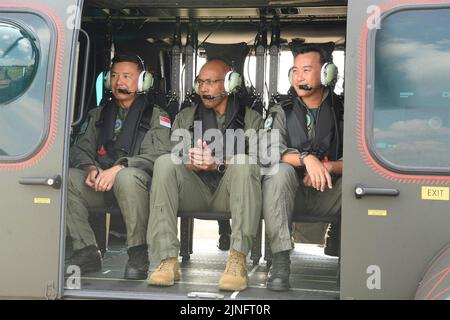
(201, 157)
(317, 173)
(105, 179)
(307, 180)
(190, 166)
(93, 172)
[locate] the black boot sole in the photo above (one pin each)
(278, 287)
(135, 274)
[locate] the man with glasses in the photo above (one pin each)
(224, 225)
(206, 180)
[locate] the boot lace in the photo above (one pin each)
(165, 266)
(234, 265)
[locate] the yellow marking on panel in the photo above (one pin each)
(382, 213)
(435, 193)
(42, 200)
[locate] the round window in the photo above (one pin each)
(19, 58)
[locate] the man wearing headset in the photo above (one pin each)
(309, 177)
(206, 181)
(112, 163)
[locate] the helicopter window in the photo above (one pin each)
(411, 116)
(24, 81)
(19, 58)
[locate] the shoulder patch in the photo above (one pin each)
(165, 122)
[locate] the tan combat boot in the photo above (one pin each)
(167, 272)
(235, 276)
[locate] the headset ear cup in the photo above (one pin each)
(145, 81)
(290, 73)
(107, 80)
(226, 82)
(232, 81)
(328, 74)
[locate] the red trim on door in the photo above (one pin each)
(56, 101)
(437, 274)
(440, 257)
(440, 293)
(437, 284)
(361, 110)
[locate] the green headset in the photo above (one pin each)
(328, 74)
(145, 81)
(232, 81)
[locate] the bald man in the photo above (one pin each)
(207, 181)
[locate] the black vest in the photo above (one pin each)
(111, 147)
(328, 139)
(234, 116)
(234, 119)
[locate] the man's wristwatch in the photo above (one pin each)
(124, 163)
(221, 168)
(302, 157)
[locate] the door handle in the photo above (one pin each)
(361, 191)
(54, 182)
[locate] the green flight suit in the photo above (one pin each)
(176, 187)
(130, 185)
(284, 193)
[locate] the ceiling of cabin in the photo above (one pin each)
(214, 9)
(118, 4)
(230, 21)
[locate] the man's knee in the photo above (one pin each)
(243, 165)
(129, 178)
(164, 164)
(77, 178)
(283, 176)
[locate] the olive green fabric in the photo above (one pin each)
(305, 232)
(284, 196)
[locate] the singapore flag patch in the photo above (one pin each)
(165, 122)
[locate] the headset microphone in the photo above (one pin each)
(307, 87)
(209, 97)
(125, 91)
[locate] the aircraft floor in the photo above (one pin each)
(313, 276)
